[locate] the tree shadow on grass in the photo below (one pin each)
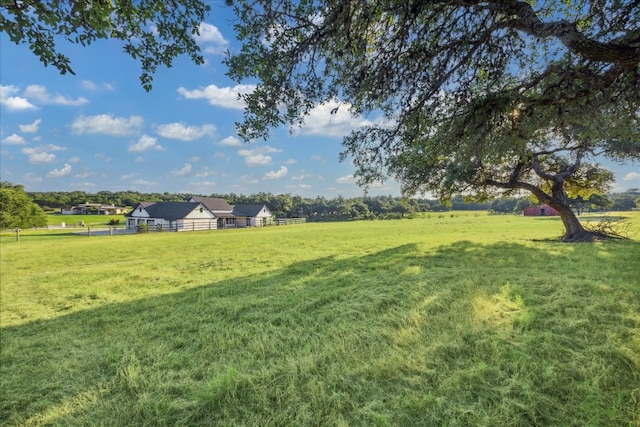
(500, 334)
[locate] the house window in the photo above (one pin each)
(140, 209)
(150, 221)
(201, 210)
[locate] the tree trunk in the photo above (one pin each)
(574, 231)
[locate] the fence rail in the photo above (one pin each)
(289, 221)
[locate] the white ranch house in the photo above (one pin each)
(199, 213)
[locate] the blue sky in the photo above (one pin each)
(100, 130)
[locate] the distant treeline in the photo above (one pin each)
(321, 208)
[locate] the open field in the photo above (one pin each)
(452, 319)
(89, 220)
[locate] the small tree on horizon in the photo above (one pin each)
(17, 210)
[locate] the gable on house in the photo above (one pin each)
(214, 204)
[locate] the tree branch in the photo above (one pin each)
(527, 21)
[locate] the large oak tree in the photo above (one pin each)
(478, 97)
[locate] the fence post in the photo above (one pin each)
(89, 231)
(110, 231)
(17, 234)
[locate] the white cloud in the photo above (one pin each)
(211, 39)
(631, 176)
(257, 160)
(146, 142)
(107, 124)
(347, 179)
(269, 149)
(205, 172)
(74, 159)
(183, 132)
(102, 156)
(226, 97)
(41, 157)
(31, 128)
(14, 103)
(41, 154)
(276, 174)
(143, 182)
(84, 185)
(88, 84)
(40, 93)
(52, 147)
(248, 179)
(14, 139)
(186, 170)
(230, 141)
(8, 90)
(257, 156)
(290, 162)
(57, 173)
(299, 187)
(331, 119)
(319, 158)
(32, 177)
(301, 176)
(254, 159)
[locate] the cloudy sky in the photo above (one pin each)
(99, 130)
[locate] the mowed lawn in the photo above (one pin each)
(444, 320)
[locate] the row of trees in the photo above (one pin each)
(339, 208)
(24, 210)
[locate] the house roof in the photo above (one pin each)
(168, 210)
(213, 203)
(247, 210)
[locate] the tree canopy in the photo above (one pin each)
(153, 31)
(17, 210)
(475, 97)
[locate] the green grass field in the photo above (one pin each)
(89, 220)
(448, 320)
